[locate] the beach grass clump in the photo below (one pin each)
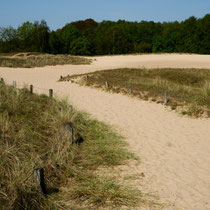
(30, 60)
(33, 135)
(188, 89)
(105, 189)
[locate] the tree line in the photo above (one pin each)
(108, 37)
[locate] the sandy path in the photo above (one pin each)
(175, 151)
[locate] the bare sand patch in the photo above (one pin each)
(174, 150)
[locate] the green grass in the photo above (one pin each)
(29, 60)
(32, 135)
(188, 89)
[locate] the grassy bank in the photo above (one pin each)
(29, 60)
(188, 89)
(32, 135)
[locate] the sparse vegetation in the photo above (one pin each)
(32, 135)
(188, 89)
(29, 60)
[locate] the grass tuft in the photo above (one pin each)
(30, 60)
(105, 190)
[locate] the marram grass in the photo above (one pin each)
(32, 135)
(27, 60)
(188, 89)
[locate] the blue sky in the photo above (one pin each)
(59, 12)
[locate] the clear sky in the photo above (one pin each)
(59, 12)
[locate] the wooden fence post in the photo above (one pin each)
(51, 93)
(69, 131)
(130, 91)
(107, 84)
(70, 108)
(165, 98)
(87, 77)
(14, 83)
(31, 89)
(39, 177)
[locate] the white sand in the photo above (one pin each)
(174, 150)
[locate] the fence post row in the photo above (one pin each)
(14, 83)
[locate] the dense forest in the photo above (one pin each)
(108, 37)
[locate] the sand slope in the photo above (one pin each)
(175, 150)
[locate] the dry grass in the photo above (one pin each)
(32, 135)
(29, 60)
(188, 89)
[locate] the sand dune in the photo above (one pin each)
(174, 150)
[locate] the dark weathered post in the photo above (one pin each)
(107, 84)
(39, 177)
(87, 77)
(14, 83)
(31, 89)
(61, 77)
(2, 81)
(51, 93)
(130, 91)
(165, 98)
(69, 131)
